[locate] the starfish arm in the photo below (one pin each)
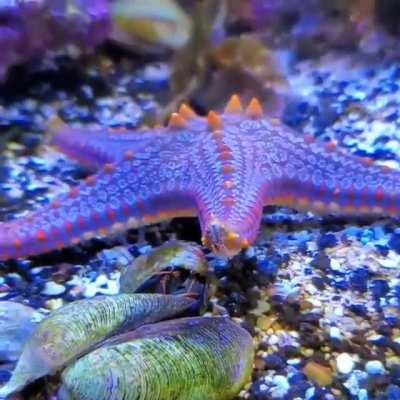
(230, 221)
(324, 179)
(229, 190)
(128, 194)
(95, 147)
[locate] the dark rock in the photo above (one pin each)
(290, 351)
(318, 282)
(257, 391)
(392, 392)
(359, 280)
(4, 376)
(321, 261)
(326, 240)
(358, 309)
(394, 242)
(379, 288)
(274, 361)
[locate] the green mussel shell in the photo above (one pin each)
(190, 358)
(174, 253)
(80, 326)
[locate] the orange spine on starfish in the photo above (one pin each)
(254, 109)
(176, 121)
(214, 121)
(234, 105)
(186, 112)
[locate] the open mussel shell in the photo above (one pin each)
(189, 358)
(172, 254)
(80, 326)
(176, 267)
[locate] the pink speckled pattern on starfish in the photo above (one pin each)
(222, 168)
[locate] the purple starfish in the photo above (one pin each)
(222, 168)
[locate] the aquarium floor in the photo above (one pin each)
(321, 296)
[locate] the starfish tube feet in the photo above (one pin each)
(223, 241)
(233, 227)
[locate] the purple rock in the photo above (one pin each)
(266, 11)
(84, 22)
(29, 28)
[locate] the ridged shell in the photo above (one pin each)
(189, 358)
(174, 253)
(150, 24)
(79, 326)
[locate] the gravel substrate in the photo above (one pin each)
(321, 296)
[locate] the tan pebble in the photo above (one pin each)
(307, 352)
(54, 304)
(262, 307)
(318, 373)
(77, 290)
(259, 364)
(305, 305)
(265, 322)
(392, 361)
(337, 393)
(389, 353)
(276, 326)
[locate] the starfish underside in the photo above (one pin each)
(221, 168)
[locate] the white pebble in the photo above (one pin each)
(354, 381)
(311, 289)
(390, 261)
(273, 339)
(344, 363)
(309, 393)
(281, 387)
(90, 290)
(374, 367)
(101, 280)
(334, 333)
(338, 311)
(335, 265)
(53, 289)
